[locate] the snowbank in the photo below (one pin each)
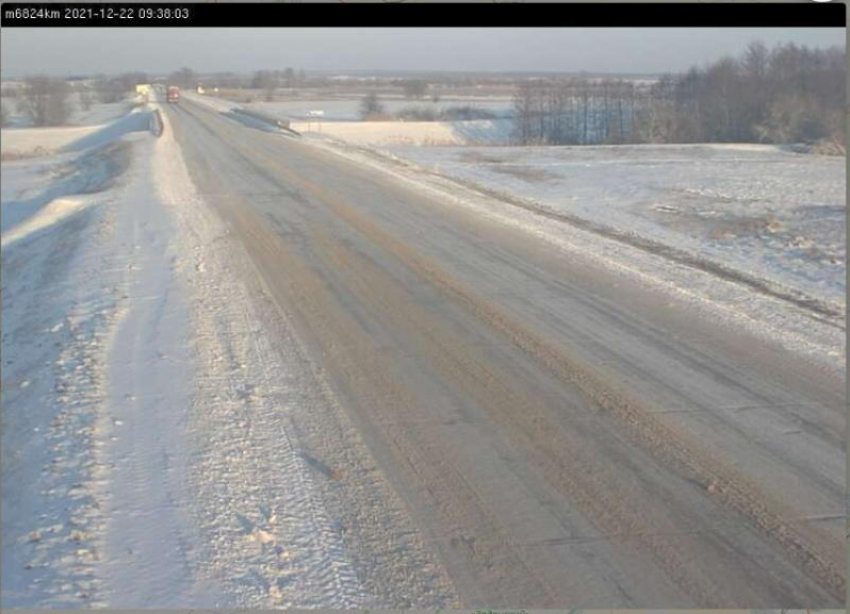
(36, 193)
(136, 121)
(65, 287)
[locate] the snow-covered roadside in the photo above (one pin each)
(726, 302)
(97, 499)
(94, 456)
(61, 297)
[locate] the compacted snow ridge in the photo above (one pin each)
(270, 540)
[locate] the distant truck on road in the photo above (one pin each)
(143, 91)
(173, 94)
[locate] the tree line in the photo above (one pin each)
(786, 94)
(46, 101)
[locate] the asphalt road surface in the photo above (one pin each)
(560, 437)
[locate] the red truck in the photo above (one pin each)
(173, 94)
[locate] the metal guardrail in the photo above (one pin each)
(280, 122)
(157, 126)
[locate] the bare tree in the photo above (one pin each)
(371, 106)
(414, 88)
(185, 78)
(260, 79)
(86, 100)
(112, 90)
(787, 94)
(523, 112)
(268, 81)
(45, 101)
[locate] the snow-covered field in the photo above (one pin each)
(349, 110)
(96, 113)
(391, 133)
(767, 213)
(99, 122)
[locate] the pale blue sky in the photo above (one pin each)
(628, 50)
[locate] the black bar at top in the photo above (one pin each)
(70, 15)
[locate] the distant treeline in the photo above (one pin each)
(788, 94)
(46, 101)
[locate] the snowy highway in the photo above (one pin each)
(556, 433)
